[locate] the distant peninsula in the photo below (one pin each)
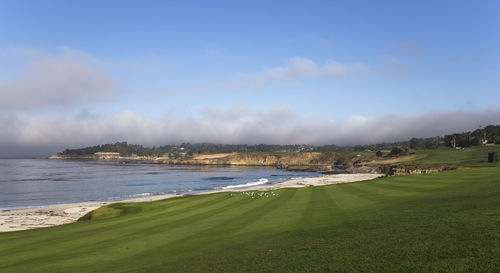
(389, 158)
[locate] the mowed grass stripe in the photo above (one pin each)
(280, 216)
(396, 186)
(137, 236)
(221, 230)
(193, 229)
(352, 198)
(240, 217)
(88, 228)
(227, 236)
(111, 231)
(389, 190)
(431, 183)
(320, 208)
(347, 199)
(174, 206)
(373, 192)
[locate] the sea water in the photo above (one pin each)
(40, 182)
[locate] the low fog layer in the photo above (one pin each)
(25, 135)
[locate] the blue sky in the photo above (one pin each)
(241, 67)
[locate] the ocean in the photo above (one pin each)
(26, 183)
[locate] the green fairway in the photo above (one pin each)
(445, 222)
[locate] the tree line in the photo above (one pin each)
(185, 149)
(487, 135)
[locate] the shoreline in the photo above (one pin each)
(54, 215)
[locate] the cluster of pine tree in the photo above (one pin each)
(487, 135)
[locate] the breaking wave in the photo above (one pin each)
(260, 182)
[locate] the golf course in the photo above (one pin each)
(249, 136)
(441, 222)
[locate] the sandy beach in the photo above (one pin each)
(21, 219)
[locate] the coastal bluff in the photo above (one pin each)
(325, 162)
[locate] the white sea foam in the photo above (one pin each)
(260, 182)
(142, 194)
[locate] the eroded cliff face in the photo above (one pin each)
(308, 161)
(250, 159)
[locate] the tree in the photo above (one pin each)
(396, 151)
(416, 143)
(431, 143)
(358, 148)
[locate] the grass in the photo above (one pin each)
(361, 153)
(471, 157)
(475, 156)
(445, 222)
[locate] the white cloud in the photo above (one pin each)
(298, 68)
(66, 78)
(22, 134)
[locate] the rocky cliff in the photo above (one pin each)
(305, 161)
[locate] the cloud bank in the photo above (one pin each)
(43, 135)
(66, 78)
